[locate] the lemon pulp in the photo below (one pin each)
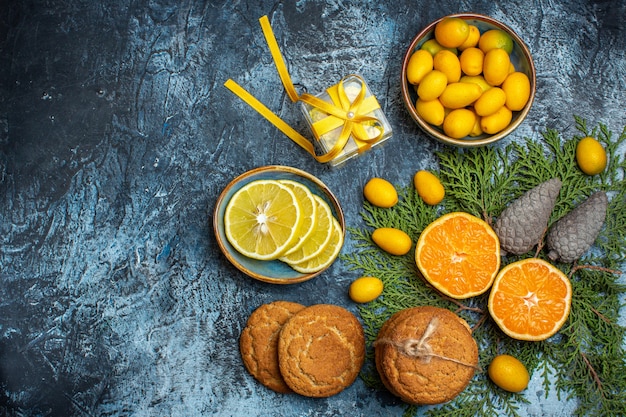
(262, 219)
(309, 212)
(328, 253)
(317, 241)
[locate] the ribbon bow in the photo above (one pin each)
(350, 114)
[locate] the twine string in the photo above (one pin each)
(420, 348)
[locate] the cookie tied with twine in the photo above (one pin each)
(426, 355)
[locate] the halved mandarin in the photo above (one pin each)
(530, 299)
(459, 255)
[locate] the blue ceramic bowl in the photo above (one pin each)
(276, 272)
(520, 57)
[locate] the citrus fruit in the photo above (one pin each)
(391, 240)
(451, 32)
(495, 39)
(461, 55)
(476, 130)
(318, 239)
(458, 95)
(365, 289)
(262, 219)
(459, 255)
(517, 88)
(431, 111)
(512, 68)
(496, 66)
(490, 101)
(497, 121)
(327, 255)
(459, 123)
(508, 373)
(448, 63)
(530, 299)
(472, 39)
(309, 211)
(433, 47)
(420, 64)
(476, 79)
(471, 61)
(432, 85)
(428, 187)
(380, 193)
(590, 156)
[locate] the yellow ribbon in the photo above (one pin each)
(351, 115)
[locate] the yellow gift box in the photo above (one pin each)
(346, 119)
(363, 116)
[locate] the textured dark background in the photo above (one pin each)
(117, 136)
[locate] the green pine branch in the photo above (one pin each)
(585, 361)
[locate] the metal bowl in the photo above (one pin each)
(276, 272)
(520, 57)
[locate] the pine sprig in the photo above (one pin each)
(409, 212)
(475, 189)
(585, 361)
(613, 236)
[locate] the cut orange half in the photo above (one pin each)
(530, 299)
(459, 255)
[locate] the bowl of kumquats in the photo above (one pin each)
(468, 80)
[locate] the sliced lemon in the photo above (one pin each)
(309, 212)
(262, 219)
(327, 256)
(318, 240)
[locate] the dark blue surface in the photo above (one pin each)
(117, 136)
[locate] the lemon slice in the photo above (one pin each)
(262, 219)
(320, 237)
(327, 256)
(309, 212)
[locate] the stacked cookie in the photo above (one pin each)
(315, 351)
(425, 355)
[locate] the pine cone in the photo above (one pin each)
(522, 223)
(573, 234)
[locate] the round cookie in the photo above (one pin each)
(378, 352)
(258, 342)
(321, 350)
(426, 355)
